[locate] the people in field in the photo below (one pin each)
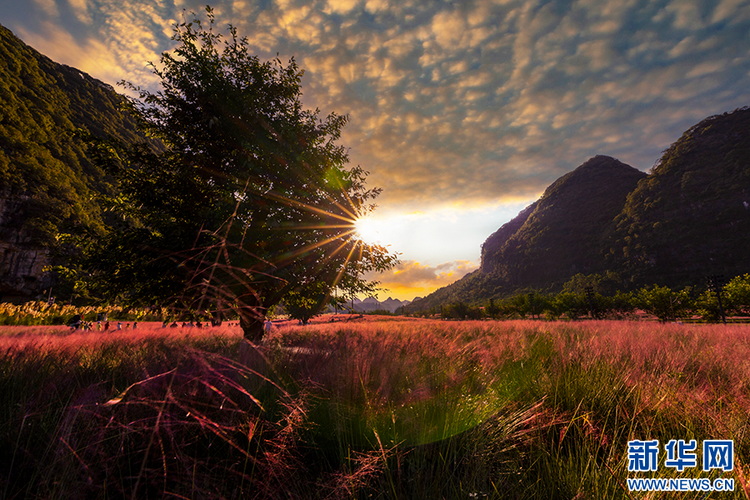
(75, 322)
(267, 326)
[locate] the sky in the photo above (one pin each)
(463, 112)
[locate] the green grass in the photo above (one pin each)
(397, 410)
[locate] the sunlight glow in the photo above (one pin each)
(371, 231)
(438, 235)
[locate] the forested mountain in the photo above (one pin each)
(688, 218)
(691, 216)
(47, 183)
(564, 230)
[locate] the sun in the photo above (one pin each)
(370, 230)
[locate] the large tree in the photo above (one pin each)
(250, 199)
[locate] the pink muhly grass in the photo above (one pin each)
(180, 431)
(377, 363)
(654, 376)
(64, 338)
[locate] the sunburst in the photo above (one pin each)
(369, 230)
(355, 231)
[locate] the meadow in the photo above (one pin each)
(399, 408)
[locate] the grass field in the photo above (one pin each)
(399, 408)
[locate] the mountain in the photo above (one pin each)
(562, 233)
(691, 217)
(686, 219)
(48, 185)
(371, 304)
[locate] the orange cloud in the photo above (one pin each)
(411, 279)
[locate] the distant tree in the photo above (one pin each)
(474, 313)
(737, 292)
(517, 305)
(663, 302)
(492, 309)
(458, 310)
(525, 303)
(538, 303)
(572, 305)
(250, 202)
(707, 306)
(461, 310)
(606, 284)
(305, 304)
(620, 304)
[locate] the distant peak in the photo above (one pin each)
(603, 161)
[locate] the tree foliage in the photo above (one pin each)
(664, 303)
(251, 201)
(306, 304)
(737, 293)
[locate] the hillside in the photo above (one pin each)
(564, 232)
(691, 218)
(47, 183)
(688, 218)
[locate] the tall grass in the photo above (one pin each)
(417, 409)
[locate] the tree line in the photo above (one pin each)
(593, 296)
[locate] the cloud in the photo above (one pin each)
(685, 14)
(341, 6)
(89, 55)
(111, 40)
(732, 11)
(449, 29)
(472, 102)
(411, 279)
(80, 8)
(48, 6)
(489, 100)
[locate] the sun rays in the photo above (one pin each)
(370, 230)
(346, 234)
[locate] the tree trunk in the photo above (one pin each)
(250, 351)
(252, 328)
(252, 357)
(216, 317)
